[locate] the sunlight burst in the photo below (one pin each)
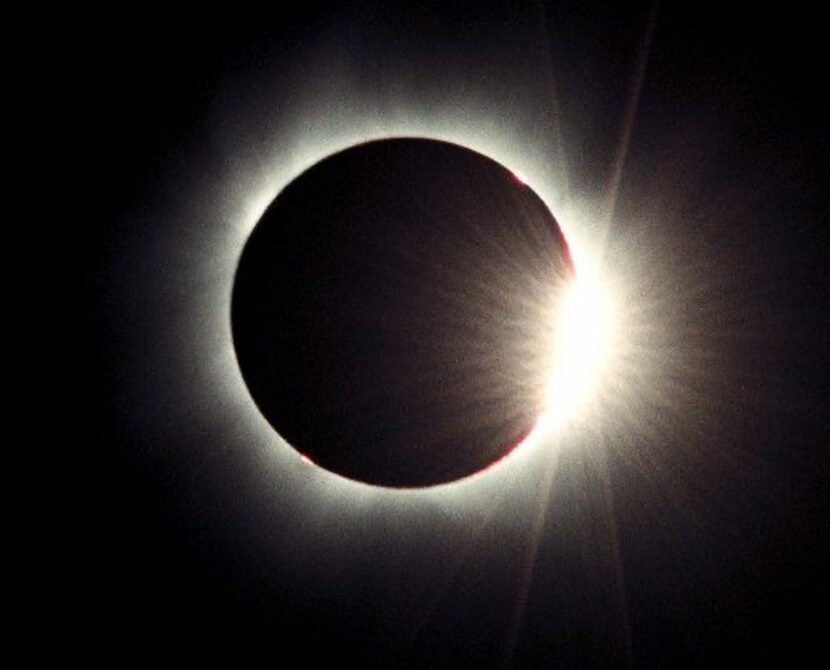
(583, 348)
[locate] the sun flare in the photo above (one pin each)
(585, 338)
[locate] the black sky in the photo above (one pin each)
(176, 554)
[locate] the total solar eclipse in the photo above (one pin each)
(394, 312)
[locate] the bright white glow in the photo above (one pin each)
(270, 155)
(583, 348)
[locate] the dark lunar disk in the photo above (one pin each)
(393, 311)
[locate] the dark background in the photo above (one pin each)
(738, 581)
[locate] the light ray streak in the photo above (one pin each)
(448, 574)
(629, 118)
(556, 112)
(528, 564)
(610, 516)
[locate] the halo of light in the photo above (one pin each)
(231, 200)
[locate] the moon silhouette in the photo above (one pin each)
(393, 311)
